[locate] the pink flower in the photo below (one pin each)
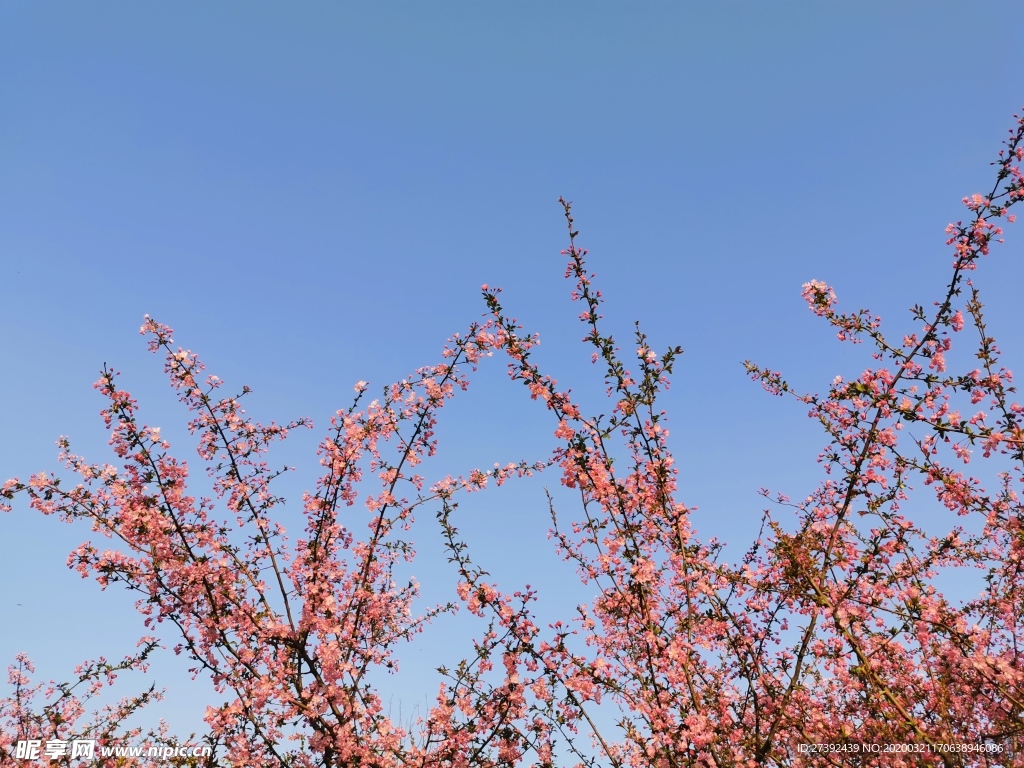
(819, 297)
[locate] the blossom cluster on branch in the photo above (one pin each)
(831, 629)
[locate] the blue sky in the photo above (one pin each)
(312, 195)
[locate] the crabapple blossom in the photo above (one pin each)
(830, 629)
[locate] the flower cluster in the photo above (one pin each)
(831, 628)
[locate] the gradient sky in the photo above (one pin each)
(312, 194)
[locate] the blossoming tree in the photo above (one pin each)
(828, 642)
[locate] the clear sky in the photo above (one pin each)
(312, 194)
